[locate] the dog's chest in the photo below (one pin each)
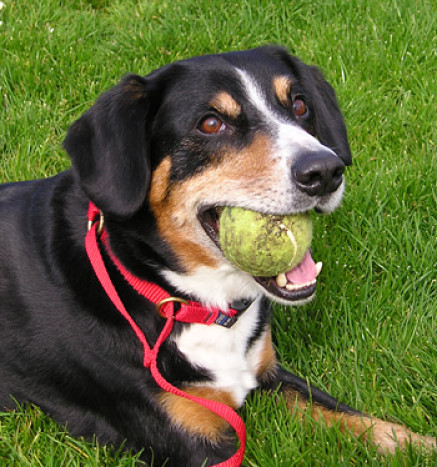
(229, 354)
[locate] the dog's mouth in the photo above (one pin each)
(297, 285)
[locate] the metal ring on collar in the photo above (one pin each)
(101, 223)
(168, 300)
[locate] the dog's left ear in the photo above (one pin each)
(109, 147)
(329, 125)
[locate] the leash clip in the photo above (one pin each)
(101, 221)
(160, 304)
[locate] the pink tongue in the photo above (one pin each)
(305, 271)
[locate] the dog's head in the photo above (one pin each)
(257, 129)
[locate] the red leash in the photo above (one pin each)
(189, 312)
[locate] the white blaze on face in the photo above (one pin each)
(291, 138)
(290, 141)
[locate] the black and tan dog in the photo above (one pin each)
(159, 156)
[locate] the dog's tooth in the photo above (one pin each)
(281, 280)
(291, 286)
(318, 267)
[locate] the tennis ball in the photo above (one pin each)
(264, 245)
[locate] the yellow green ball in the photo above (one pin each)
(264, 245)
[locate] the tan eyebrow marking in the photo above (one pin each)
(282, 86)
(226, 104)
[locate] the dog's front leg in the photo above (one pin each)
(301, 397)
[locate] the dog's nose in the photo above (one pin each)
(318, 173)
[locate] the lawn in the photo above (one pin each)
(369, 338)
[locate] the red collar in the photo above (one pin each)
(189, 312)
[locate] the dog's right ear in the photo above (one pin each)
(109, 147)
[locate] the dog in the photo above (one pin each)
(159, 157)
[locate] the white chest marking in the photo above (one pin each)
(225, 354)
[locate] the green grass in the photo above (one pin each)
(370, 336)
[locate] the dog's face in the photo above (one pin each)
(256, 129)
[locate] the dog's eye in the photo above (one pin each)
(300, 108)
(211, 125)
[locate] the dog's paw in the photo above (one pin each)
(389, 436)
